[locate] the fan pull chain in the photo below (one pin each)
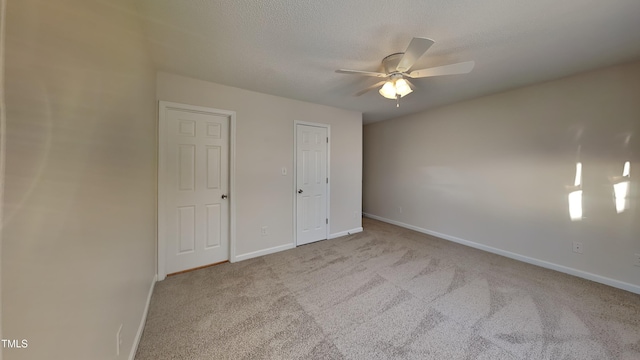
(397, 101)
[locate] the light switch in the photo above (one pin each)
(284, 171)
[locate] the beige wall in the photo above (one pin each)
(265, 144)
(494, 171)
(78, 256)
(3, 4)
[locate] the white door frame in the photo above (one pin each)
(295, 176)
(162, 132)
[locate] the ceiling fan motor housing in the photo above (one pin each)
(390, 63)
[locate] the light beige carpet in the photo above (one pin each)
(388, 293)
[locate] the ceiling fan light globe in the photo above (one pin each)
(388, 90)
(403, 88)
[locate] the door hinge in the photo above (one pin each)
(327, 221)
(327, 180)
(327, 139)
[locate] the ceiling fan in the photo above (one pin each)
(397, 69)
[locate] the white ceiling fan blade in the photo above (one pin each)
(358, 72)
(452, 69)
(372, 87)
(417, 48)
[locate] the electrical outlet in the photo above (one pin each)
(400, 209)
(284, 171)
(577, 247)
(636, 262)
(118, 340)
(264, 231)
(355, 214)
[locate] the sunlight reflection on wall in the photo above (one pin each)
(621, 188)
(575, 196)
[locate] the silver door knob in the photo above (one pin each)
(299, 191)
(224, 196)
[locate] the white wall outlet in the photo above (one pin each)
(118, 340)
(356, 213)
(264, 231)
(636, 262)
(284, 171)
(400, 209)
(577, 247)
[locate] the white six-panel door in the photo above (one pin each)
(194, 166)
(312, 183)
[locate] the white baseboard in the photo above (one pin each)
(345, 233)
(276, 249)
(545, 264)
(143, 321)
(268, 251)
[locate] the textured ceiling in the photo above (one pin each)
(291, 48)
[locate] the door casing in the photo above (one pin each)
(161, 206)
(295, 172)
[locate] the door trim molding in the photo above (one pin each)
(163, 106)
(295, 176)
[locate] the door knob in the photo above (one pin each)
(299, 191)
(224, 196)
